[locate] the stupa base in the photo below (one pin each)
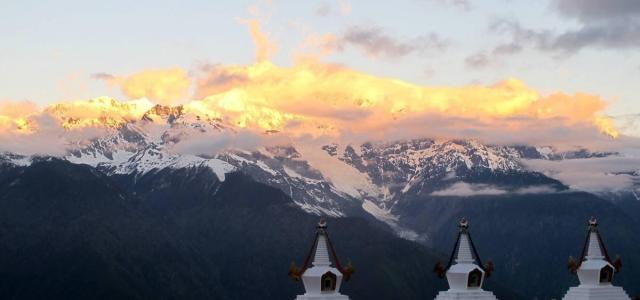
(596, 293)
(466, 294)
(322, 297)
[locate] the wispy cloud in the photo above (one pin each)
(345, 7)
(461, 4)
(102, 76)
(613, 34)
(326, 8)
(483, 59)
(592, 10)
(208, 144)
(376, 42)
(602, 24)
(323, 9)
(265, 46)
(478, 60)
(464, 189)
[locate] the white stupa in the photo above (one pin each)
(465, 277)
(595, 271)
(321, 280)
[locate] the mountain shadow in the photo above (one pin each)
(70, 232)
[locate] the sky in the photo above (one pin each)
(50, 50)
(502, 71)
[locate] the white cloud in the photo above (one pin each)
(464, 189)
(536, 189)
(209, 144)
(591, 175)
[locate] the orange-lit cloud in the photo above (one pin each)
(265, 47)
(72, 85)
(318, 46)
(316, 100)
(337, 99)
(345, 8)
(98, 112)
(14, 116)
(324, 101)
(163, 86)
(26, 129)
(325, 9)
(17, 109)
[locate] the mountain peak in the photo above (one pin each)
(162, 112)
(98, 112)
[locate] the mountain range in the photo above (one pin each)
(155, 209)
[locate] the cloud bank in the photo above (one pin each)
(611, 174)
(323, 100)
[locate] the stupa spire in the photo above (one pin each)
(464, 244)
(465, 274)
(321, 280)
(321, 257)
(594, 248)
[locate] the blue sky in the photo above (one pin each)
(50, 50)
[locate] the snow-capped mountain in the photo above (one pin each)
(168, 161)
(326, 179)
(399, 166)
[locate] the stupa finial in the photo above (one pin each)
(463, 224)
(593, 223)
(322, 224)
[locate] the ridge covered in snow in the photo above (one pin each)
(330, 179)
